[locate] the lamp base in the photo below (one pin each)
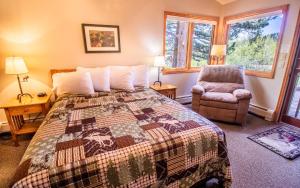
(159, 82)
(19, 97)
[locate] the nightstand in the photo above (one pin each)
(165, 89)
(15, 112)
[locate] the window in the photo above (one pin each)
(253, 40)
(187, 41)
(202, 43)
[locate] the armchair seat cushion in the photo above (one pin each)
(222, 87)
(217, 96)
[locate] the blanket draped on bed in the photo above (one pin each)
(123, 139)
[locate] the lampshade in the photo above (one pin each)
(15, 65)
(159, 61)
(218, 50)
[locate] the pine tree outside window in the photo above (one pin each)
(187, 41)
(253, 40)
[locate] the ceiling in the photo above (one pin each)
(223, 2)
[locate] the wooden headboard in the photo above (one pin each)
(54, 71)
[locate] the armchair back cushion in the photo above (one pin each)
(220, 87)
(221, 73)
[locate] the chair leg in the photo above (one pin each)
(243, 123)
(15, 139)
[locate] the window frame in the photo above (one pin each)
(188, 68)
(284, 10)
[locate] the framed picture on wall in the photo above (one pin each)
(101, 38)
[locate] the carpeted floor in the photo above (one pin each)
(252, 164)
(10, 156)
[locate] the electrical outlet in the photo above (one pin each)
(3, 123)
(4, 127)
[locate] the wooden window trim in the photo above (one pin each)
(284, 9)
(280, 107)
(188, 68)
(180, 70)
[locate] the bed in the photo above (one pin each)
(123, 139)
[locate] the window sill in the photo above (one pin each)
(262, 74)
(179, 71)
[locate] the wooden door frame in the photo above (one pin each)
(290, 91)
(287, 75)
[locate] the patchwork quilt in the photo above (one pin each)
(123, 139)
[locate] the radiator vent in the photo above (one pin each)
(184, 100)
(268, 114)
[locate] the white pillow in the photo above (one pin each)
(73, 83)
(100, 77)
(121, 77)
(141, 75)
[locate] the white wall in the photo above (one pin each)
(48, 35)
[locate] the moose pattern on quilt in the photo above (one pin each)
(123, 139)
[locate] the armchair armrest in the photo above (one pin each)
(198, 89)
(242, 94)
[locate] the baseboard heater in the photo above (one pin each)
(184, 100)
(268, 114)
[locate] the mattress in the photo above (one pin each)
(123, 139)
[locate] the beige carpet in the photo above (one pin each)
(255, 166)
(10, 157)
(252, 164)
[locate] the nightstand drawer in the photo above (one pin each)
(25, 110)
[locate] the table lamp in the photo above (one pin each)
(16, 66)
(159, 62)
(218, 51)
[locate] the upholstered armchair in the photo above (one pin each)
(220, 94)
